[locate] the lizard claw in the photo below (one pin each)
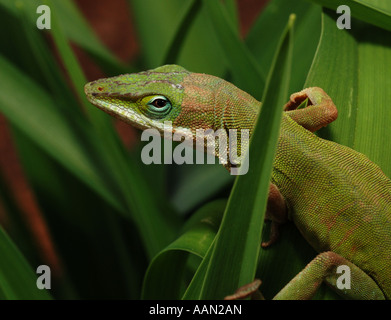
(274, 235)
(248, 290)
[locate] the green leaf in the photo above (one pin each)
(71, 21)
(197, 184)
(34, 113)
(263, 43)
(76, 28)
(362, 101)
(239, 235)
(156, 35)
(17, 280)
(240, 62)
(376, 12)
(186, 20)
(163, 277)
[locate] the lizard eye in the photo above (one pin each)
(159, 103)
(159, 106)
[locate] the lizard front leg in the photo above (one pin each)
(320, 111)
(277, 212)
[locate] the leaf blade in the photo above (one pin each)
(375, 12)
(239, 235)
(17, 280)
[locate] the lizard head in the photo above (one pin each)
(188, 101)
(144, 99)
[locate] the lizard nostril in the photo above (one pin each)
(100, 88)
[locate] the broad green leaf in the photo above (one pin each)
(17, 280)
(362, 102)
(194, 290)
(196, 184)
(376, 12)
(373, 127)
(240, 232)
(165, 272)
(329, 62)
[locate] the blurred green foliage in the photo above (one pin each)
(126, 230)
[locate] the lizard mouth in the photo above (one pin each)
(120, 106)
(122, 109)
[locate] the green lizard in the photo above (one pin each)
(338, 199)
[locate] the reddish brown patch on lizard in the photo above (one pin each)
(347, 235)
(198, 103)
(331, 221)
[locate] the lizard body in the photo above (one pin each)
(339, 200)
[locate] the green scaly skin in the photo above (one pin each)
(339, 200)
